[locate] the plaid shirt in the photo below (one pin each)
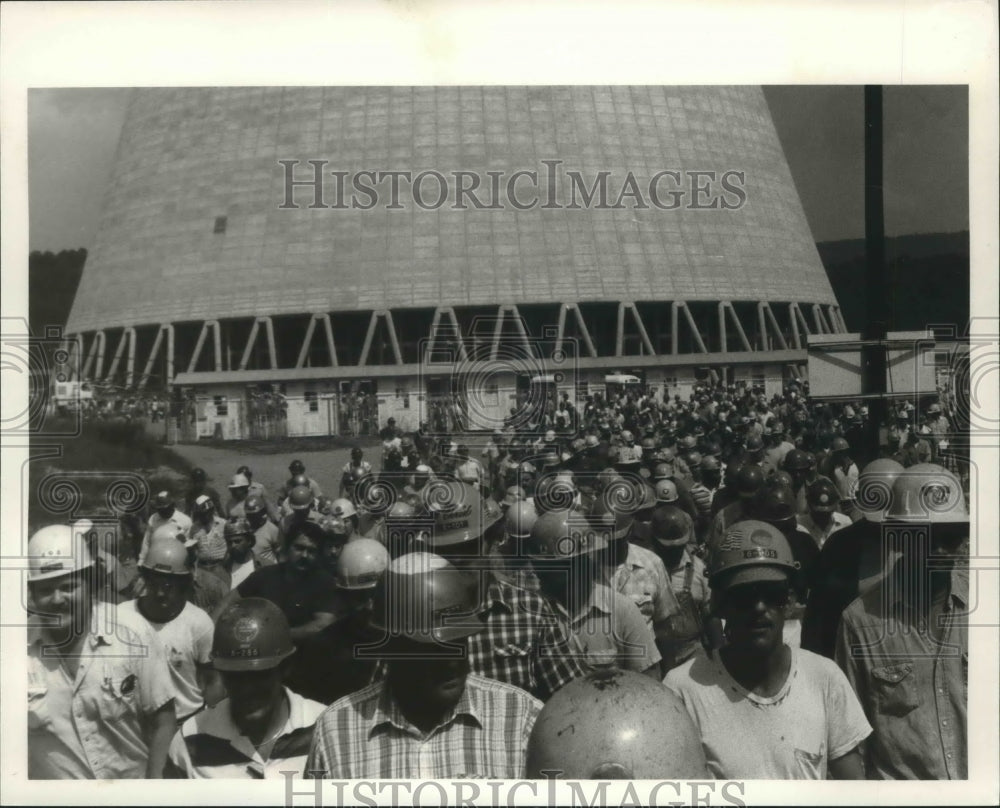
(365, 735)
(524, 644)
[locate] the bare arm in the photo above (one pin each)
(320, 621)
(161, 731)
(849, 766)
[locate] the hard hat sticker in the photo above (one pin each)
(760, 552)
(246, 629)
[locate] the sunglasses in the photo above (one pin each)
(748, 596)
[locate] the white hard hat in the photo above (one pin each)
(59, 550)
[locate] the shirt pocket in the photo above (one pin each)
(119, 693)
(812, 765)
(896, 689)
(644, 603)
(39, 717)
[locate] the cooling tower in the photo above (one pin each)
(212, 272)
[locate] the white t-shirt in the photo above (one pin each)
(240, 572)
(187, 640)
(814, 718)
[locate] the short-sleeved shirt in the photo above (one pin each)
(814, 718)
(211, 540)
(267, 542)
(837, 522)
(913, 687)
(187, 643)
(209, 745)
(365, 735)
(643, 578)
(611, 627)
(93, 727)
(300, 597)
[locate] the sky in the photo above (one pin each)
(73, 135)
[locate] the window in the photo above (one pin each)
(582, 390)
(312, 400)
(404, 396)
(220, 224)
(221, 405)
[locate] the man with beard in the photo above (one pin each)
(263, 728)
(904, 644)
(96, 709)
(766, 710)
(184, 629)
(305, 593)
(429, 718)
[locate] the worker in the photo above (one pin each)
(184, 629)
(198, 485)
(267, 537)
(823, 519)
(239, 488)
(96, 709)
(262, 729)
(208, 534)
(429, 718)
(296, 468)
(904, 644)
(765, 710)
(164, 512)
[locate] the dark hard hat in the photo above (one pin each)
(297, 467)
(565, 534)
(798, 460)
(614, 724)
(237, 526)
(776, 504)
(198, 474)
(671, 526)
(300, 498)
(749, 479)
(823, 496)
(300, 479)
(839, 445)
(457, 513)
(251, 635)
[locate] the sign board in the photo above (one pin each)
(835, 365)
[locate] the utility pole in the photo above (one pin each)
(873, 357)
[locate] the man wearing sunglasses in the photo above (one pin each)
(766, 710)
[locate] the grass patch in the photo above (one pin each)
(96, 471)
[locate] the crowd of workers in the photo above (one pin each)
(743, 568)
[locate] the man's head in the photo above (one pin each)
(300, 500)
(168, 573)
(296, 467)
(163, 504)
(927, 494)
(239, 486)
(565, 550)
(246, 472)
(239, 539)
(427, 608)
(823, 498)
(671, 530)
(61, 577)
(302, 551)
(198, 478)
(251, 644)
(356, 454)
(360, 568)
(751, 586)
(255, 510)
(204, 509)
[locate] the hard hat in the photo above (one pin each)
(754, 443)
(550, 435)
(324, 505)
(361, 564)
(578, 444)
(591, 441)
(300, 498)
(521, 517)
(661, 471)
(254, 503)
(251, 635)
(343, 508)
(839, 445)
(162, 501)
(822, 496)
(751, 551)
(554, 493)
(798, 460)
(565, 534)
(296, 467)
(666, 491)
(627, 436)
(457, 512)
(688, 442)
(173, 531)
(427, 599)
(670, 526)
(710, 463)
(169, 557)
(300, 479)
(712, 448)
(514, 494)
(934, 408)
(749, 479)
(780, 478)
(693, 459)
(237, 526)
(357, 451)
(615, 724)
(776, 504)
(648, 444)
(925, 493)
(239, 481)
(873, 491)
(58, 550)
(198, 475)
